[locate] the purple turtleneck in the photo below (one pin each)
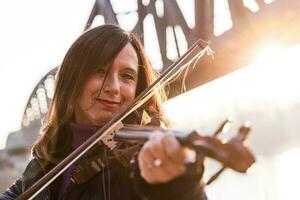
(80, 134)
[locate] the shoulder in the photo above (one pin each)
(35, 169)
(37, 163)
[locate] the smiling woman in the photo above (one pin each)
(94, 83)
(102, 72)
(109, 90)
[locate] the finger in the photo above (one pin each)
(158, 149)
(190, 155)
(173, 149)
(155, 136)
(168, 167)
(172, 170)
(145, 172)
(146, 155)
(152, 175)
(155, 147)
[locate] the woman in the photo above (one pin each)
(103, 71)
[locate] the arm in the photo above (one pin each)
(13, 191)
(30, 175)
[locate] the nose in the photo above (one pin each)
(112, 85)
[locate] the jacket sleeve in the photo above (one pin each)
(13, 191)
(185, 187)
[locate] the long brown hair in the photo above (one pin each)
(96, 47)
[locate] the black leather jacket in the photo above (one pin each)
(122, 186)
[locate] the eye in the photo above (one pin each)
(128, 76)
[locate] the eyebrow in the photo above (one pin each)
(130, 69)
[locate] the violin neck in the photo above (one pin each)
(135, 134)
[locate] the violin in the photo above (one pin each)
(232, 154)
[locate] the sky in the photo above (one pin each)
(34, 38)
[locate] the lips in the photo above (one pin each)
(108, 103)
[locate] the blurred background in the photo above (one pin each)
(253, 77)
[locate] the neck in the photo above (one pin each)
(81, 133)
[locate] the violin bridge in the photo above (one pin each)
(145, 118)
(108, 138)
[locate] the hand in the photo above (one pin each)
(162, 158)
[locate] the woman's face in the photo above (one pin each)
(95, 107)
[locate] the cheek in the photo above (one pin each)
(90, 90)
(85, 100)
(128, 92)
(93, 85)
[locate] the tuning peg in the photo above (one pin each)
(244, 131)
(224, 127)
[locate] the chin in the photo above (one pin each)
(103, 119)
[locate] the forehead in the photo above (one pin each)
(127, 57)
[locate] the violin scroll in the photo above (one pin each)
(239, 157)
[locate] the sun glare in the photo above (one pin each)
(271, 78)
(278, 69)
(265, 93)
(266, 53)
